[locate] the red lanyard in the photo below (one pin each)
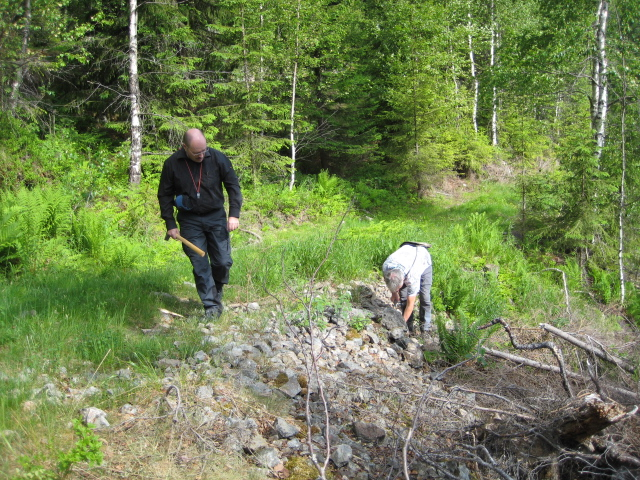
(193, 180)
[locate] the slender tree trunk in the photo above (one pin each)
(494, 113)
(623, 177)
(17, 82)
(599, 82)
(135, 164)
(294, 84)
(476, 83)
(292, 138)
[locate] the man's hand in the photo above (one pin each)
(232, 224)
(173, 233)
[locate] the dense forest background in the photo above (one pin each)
(392, 96)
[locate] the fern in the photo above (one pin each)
(460, 343)
(9, 241)
(91, 233)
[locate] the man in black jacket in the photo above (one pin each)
(192, 180)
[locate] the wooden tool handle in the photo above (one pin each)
(191, 245)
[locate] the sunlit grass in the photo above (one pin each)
(85, 314)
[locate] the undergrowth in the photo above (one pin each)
(80, 280)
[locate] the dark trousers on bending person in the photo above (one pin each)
(211, 272)
(424, 297)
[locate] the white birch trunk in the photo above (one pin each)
(599, 82)
(17, 82)
(135, 163)
(494, 112)
(623, 179)
(292, 138)
(476, 83)
(294, 84)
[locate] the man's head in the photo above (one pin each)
(394, 278)
(194, 144)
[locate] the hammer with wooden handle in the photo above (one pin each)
(187, 243)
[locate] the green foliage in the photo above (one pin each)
(462, 341)
(88, 448)
(359, 323)
(632, 303)
(605, 283)
(32, 220)
(91, 233)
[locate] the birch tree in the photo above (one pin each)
(294, 84)
(135, 170)
(474, 77)
(494, 98)
(599, 101)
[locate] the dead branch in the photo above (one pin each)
(630, 396)
(251, 233)
(595, 350)
(489, 394)
(416, 417)
(535, 346)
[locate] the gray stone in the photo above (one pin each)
(210, 339)
(94, 416)
(291, 388)
(390, 318)
(260, 388)
(124, 373)
(205, 415)
(200, 357)
(91, 391)
(361, 313)
(285, 429)
(351, 367)
(254, 442)
(373, 337)
(204, 392)
(128, 409)
(403, 341)
(169, 363)
(264, 348)
(342, 455)
(294, 444)
(49, 391)
(267, 457)
(253, 307)
(392, 353)
(369, 432)
(249, 368)
(413, 358)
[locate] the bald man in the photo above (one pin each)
(191, 182)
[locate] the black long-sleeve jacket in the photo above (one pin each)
(182, 176)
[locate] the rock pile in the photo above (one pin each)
(354, 379)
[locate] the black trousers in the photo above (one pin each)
(211, 272)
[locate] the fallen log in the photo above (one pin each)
(598, 352)
(583, 418)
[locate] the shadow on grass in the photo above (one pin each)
(63, 316)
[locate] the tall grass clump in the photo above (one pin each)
(63, 315)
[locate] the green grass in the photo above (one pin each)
(82, 301)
